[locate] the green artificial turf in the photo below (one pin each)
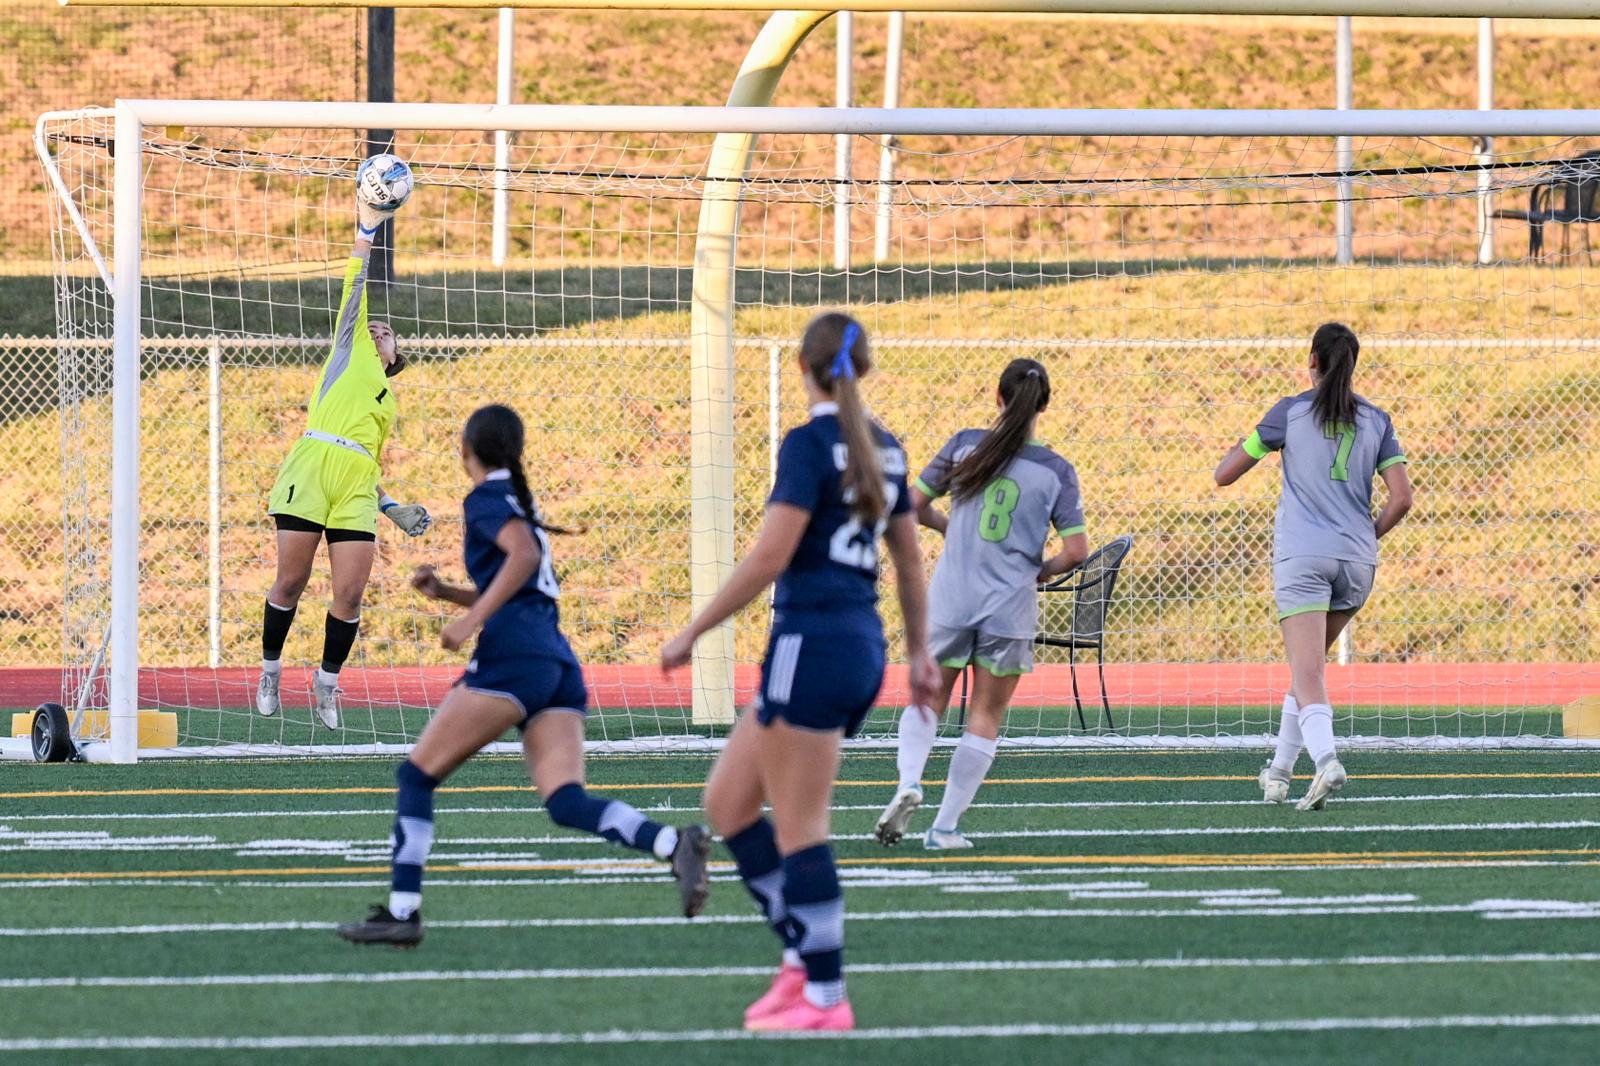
(1406, 900)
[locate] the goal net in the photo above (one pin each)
(1170, 283)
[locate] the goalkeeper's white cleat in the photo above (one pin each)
(1330, 779)
(1274, 785)
(267, 701)
(892, 825)
(325, 701)
(945, 840)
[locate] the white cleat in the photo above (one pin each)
(945, 840)
(1274, 785)
(892, 825)
(325, 701)
(267, 701)
(1330, 779)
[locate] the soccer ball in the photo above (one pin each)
(384, 182)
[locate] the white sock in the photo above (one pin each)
(792, 959)
(1316, 725)
(968, 767)
(327, 678)
(1290, 740)
(824, 994)
(272, 666)
(917, 730)
(404, 904)
(666, 843)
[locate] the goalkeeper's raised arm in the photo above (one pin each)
(329, 484)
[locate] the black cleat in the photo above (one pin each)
(689, 861)
(381, 927)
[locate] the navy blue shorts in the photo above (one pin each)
(821, 680)
(533, 683)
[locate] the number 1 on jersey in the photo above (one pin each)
(1000, 499)
(1346, 432)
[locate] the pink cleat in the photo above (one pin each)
(787, 989)
(803, 1015)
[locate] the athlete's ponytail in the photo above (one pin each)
(1025, 389)
(495, 435)
(1335, 347)
(835, 350)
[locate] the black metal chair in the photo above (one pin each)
(1092, 584)
(1569, 195)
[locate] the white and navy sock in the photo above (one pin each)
(918, 728)
(1290, 740)
(968, 767)
(1316, 726)
(412, 837)
(816, 910)
(571, 806)
(755, 853)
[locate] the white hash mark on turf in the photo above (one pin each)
(1244, 908)
(680, 1036)
(856, 969)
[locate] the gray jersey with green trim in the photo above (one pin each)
(1325, 509)
(994, 545)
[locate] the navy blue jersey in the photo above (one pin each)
(528, 622)
(836, 563)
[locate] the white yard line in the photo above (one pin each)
(1244, 908)
(532, 807)
(1231, 1027)
(856, 969)
(370, 850)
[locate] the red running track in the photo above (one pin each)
(1486, 686)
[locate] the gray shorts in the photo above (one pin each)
(1001, 656)
(1310, 583)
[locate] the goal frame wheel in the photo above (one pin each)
(52, 734)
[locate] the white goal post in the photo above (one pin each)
(712, 382)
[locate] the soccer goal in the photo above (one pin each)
(1168, 266)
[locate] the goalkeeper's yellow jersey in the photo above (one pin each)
(353, 399)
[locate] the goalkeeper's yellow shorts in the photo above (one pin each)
(328, 485)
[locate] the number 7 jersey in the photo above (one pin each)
(994, 545)
(1325, 510)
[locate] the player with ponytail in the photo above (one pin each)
(1008, 490)
(1325, 545)
(523, 674)
(841, 485)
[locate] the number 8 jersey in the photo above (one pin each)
(1325, 510)
(994, 545)
(835, 565)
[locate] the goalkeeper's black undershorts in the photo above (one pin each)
(295, 524)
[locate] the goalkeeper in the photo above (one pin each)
(328, 486)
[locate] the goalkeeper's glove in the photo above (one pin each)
(411, 517)
(369, 219)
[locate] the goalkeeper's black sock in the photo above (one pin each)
(275, 623)
(338, 637)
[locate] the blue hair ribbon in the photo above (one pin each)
(844, 365)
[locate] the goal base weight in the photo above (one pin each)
(1580, 719)
(157, 729)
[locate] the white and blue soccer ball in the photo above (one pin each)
(384, 182)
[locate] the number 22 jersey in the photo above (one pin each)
(835, 565)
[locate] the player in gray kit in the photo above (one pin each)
(1325, 544)
(1008, 491)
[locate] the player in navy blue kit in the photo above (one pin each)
(841, 484)
(523, 673)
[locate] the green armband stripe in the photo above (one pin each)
(1253, 447)
(1387, 463)
(1071, 531)
(926, 490)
